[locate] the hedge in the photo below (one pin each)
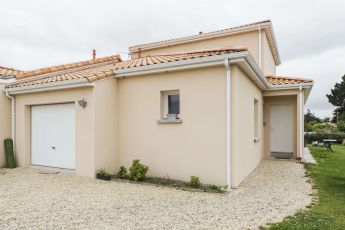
(310, 137)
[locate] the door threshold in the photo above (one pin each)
(52, 170)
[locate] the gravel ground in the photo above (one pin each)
(29, 200)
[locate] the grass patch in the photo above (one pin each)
(178, 184)
(329, 178)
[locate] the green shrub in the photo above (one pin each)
(122, 172)
(195, 181)
(103, 172)
(217, 188)
(137, 171)
(310, 137)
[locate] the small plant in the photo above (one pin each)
(122, 172)
(216, 188)
(103, 175)
(195, 181)
(137, 171)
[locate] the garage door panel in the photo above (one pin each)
(53, 135)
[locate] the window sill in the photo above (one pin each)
(169, 121)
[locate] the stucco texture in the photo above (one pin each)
(5, 123)
(197, 146)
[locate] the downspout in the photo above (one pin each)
(301, 126)
(13, 117)
(228, 123)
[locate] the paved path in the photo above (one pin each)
(29, 200)
(307, 157)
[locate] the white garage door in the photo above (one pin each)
(53, 135)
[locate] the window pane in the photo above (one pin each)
(174, 104)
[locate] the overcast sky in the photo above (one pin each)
(310, 33)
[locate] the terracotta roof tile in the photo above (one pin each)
(172, 57)
(6, 72)
(65, 67)
(95, 72)
(283, 80)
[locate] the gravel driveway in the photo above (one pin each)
(29, 200)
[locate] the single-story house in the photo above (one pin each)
(207, 105)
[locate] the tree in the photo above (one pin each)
(337, 97)
(309, 116)
(326, 120)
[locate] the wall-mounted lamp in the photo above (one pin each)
(82, 103)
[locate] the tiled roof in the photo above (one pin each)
(283, 80)
(6, 72)
(94, 73)
(172, 57)
(58, 68)
(91, 74)
(198, 36)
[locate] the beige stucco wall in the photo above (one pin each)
(195, 147)
(106, 117)
(5, 122)
(268, 65)
(84, 121)
(278, 98)
(246, 154)
(249, 40)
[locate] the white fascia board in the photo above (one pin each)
(7, 81)
(75, 83)
(294, 86)
(307, 86)
(273, 44)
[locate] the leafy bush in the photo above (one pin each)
(122, 172)
(341, 125)
(195, 181)
(310, 137)
(137, 171)
(103, 172)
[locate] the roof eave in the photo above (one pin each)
(244, 58)
(273, 42)
(291, 86)
(75, 83)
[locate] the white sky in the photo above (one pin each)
(310, 33)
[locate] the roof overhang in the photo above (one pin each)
(243, 59)
(306, 87)
(68, 84)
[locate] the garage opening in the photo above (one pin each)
(53, 135)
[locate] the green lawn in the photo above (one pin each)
(329, 177)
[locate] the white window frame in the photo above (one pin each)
(166, 102)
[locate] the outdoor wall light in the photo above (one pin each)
(82, 103)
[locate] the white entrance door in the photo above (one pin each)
(282, 126)
(53, 135)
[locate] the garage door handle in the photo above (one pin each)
(53, 147)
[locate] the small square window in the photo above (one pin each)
(171, 104)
